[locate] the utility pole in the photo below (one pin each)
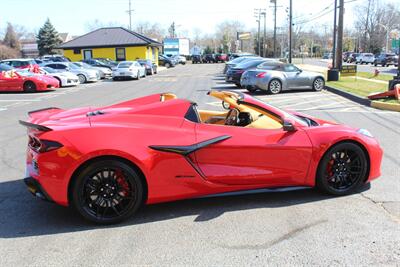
(265, 34)
(366, 27)
(274, 2)
(290, 29)
(130, 11)
(334, 37)
(339, 53)
(257, 15)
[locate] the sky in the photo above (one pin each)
(73, 16)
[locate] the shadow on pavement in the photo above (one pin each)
(22, 215)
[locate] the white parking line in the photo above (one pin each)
(3, 109)
(19, 100)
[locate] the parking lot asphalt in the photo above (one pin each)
(301, 227)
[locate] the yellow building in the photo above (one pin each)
(116, 43)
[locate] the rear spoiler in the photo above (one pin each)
(35, 126)
(42, 109)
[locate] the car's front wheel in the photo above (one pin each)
(318, 84)
(29, 87)
(274, 86)
(167, 65)
(343, 169)
(107, 191)
(82, 78)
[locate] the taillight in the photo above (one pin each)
(261, 75)
(41, 146)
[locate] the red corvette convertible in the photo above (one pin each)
(26, 81)
(108, 161)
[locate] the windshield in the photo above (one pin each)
(49, 70)
(124, 65)
(286, 114)
(250, 63)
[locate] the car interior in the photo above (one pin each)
(240, 115)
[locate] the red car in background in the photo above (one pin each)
(221, 58)
(22, 63)
(108, 161)
(26, 81)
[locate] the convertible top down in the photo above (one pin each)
(106, 162)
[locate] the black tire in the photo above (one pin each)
(375, 64)
(318, 84)
(59, 82)
(343, 169)
(107, 191)
(251, 89)
(167, 65)
(29, 87)
(238, 85)
(275, 86)
(82, 78)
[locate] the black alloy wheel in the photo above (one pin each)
(29, 87)
(107, 192)
(343, 169)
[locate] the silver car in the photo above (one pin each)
(275, 77)
(84, 75)
(103, 72)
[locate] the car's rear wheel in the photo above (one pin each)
(167, 65)
(318, 84)
(138, 75)
(274, 86)
(82, 78)
(343, 169)
(107, 191)
(29, 87)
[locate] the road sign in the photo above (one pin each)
(395, 43)
(348, 70)
(244, 35)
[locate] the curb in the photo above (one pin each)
(350, 96)
(385, 106)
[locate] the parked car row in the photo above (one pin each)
(29, 76)
(210, 58)
(270, 75)
(382, 59)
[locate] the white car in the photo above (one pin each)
(129, 69)
(84, 75)
(65, 78)
(367, 58)
(103, 72)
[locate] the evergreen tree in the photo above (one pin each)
(47, 39)
(11, 39)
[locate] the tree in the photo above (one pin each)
(8, 52)
(97, 24)
(47, 39)
(11, 39)
(153, 31)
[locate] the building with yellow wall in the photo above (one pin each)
(116, 43)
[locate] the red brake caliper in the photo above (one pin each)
(122, 183)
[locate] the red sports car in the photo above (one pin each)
(26, 81)
(108, 161)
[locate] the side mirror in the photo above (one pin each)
(289, 126)
(299, 71)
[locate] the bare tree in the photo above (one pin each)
(96, 24)
(372, 29)
(154, 31)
